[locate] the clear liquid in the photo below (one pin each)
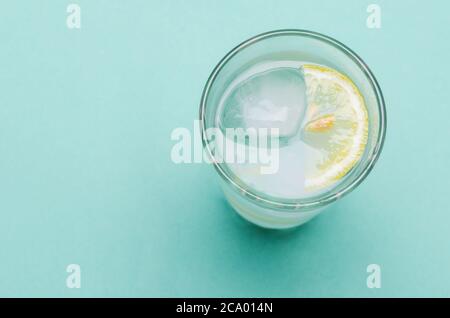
(272, 95)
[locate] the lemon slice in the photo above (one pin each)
(336, 125)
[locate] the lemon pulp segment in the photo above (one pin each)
(336, 124)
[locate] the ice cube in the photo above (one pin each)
(275, 98)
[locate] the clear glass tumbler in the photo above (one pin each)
(298, 45)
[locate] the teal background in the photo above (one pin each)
(86, 175)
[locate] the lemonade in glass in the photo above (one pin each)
(292, 121)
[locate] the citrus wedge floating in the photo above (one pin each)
(336, 124)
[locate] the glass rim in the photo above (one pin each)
(314, 202)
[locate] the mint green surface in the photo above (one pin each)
(86, 176)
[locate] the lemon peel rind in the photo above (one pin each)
(344, 161)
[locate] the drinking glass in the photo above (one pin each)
(302, 46)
